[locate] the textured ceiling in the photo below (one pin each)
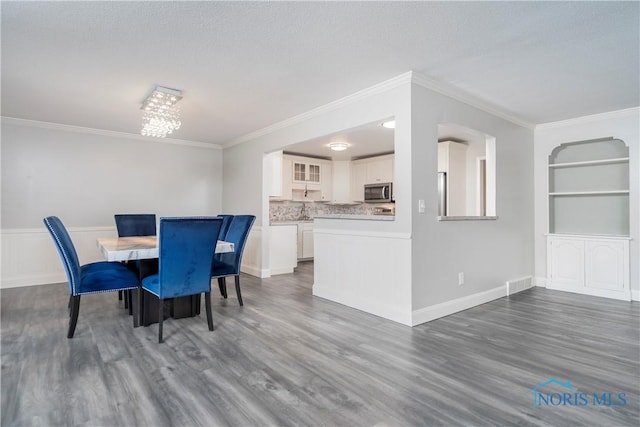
(245, 65)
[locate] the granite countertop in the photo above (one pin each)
(360, 217)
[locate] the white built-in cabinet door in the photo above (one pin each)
(566, 261)
(604, 264)
(591, 265)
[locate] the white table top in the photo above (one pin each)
(141, 247)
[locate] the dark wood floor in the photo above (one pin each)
(289, 359)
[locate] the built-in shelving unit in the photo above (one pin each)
(589, 188)
(588, 240)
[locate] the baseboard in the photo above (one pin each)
(540, 281)
(437, 311)
(255, 271)
(34, 280)
(635, 295)
(603, 293)
(281, 270)
(360, 302)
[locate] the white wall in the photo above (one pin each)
(488, 252)
(245, 190)
(624, 125)
(85, 176)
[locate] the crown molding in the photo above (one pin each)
(384, 86)
(462, 96)
(402, 79)
(617, 114)
(104, 132)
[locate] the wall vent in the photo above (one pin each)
(519, 285)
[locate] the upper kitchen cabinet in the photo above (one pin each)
(379, 169)
(342, 186)
(309, 178)
(371, 170)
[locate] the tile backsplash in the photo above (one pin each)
(280, 211)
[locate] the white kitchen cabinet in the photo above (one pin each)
(341, 190)
(310, 179)
(305, 240)
(370, 171)
(283, 257)
(306, 171)
(590, 265)
(326, 187)
(358, 180)
(380, 169)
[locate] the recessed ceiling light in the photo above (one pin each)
(391, 124)
(338, 146)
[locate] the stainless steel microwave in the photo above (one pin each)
(378, 193)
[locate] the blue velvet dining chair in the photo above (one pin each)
(228, 264)
(185, 257)
(226, 222)
(96, 277)
(137, 225)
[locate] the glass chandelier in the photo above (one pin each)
(160, 115)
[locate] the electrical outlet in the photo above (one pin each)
(421, 206)
(460, 278)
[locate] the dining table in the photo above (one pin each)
(141, 248)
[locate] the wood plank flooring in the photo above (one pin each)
(290, 359)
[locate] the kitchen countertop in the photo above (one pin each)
(291, 222)
(360, 217)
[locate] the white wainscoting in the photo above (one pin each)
(252, 256)
(365, 270)
(29, 256)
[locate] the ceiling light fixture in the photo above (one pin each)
(338, 146)
(391, 124)
(160, 116)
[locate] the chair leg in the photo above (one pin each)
(119, 295)
(69, 305)
(125, 297)
(131, 301)
(238, 289)
(140, 305)
(207, 304)
(75, 309)
(222, 284)
(135, 296)
(160, 319)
